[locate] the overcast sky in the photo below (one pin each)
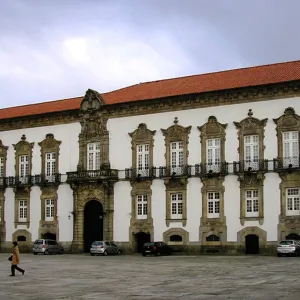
(55, 49)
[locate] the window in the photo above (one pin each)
(93, 156)
(291, 148)
(213, 157)
(23, 168)
(176, 206)
(1, 166)
(142, 157)
(142, 207)
(292, 202)
(0, 211)
(176, 157)
(49, 210)
(252, 209)
(50, 166)
(23, 211)
(213, 207)
(251, 158)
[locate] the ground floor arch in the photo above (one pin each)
(49, 236)
(140, 239)
(251, 244)
(92, 223)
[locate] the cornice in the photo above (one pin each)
(161, 105)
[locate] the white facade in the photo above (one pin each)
(120, 158)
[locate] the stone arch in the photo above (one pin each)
(23, 245)
(212, 237)
(173, 232)
(262, 234)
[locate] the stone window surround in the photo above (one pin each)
(251, 126)
(176, 231)
(22, 232)
(22, 194)
(289, 121)
(176, 186)
(48, 193)
(212, 129)
(2, 202)
(49, 145)
(3, 153)
(176, 133)
(141, 136)
(23, 148)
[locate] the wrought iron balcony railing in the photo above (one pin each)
(286, 164)
(207, 169)
(137, 174)
(2, 182)
(104, 174)
(180, 171)
(46, 179)
(13, 181)
(260, 165)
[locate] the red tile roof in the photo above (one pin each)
(238, 78)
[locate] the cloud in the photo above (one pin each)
(57, 49)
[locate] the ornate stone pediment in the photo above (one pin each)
(212, 128)
(3, 149)
(23, 145)
(142, 133)
(176, 184)
(91, 101)
(176, 131)
(288, 121)
(50, 142)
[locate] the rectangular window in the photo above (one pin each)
(23, 211)
(142, 207)
(93, 156)
(292, 202)
(176, 157)
(291, 148)
(49, 210)
(252, 208)
(176, 206)
(50, 170)
(213, 205)
(213, 155)
(143, 159)
(1, 166)
(23, 168)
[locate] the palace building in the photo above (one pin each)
(204, 162)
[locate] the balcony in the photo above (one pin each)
(247, 166)
(46, 180)
(287, 164)
(210, 170)
(19, 181)
(140, 174)
(2, 183)
(181, 171)
(93, 176)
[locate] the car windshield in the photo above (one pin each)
(97, 244)
(148, 244)
(38, 242)
(286, 242)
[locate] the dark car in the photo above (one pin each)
(156, 248)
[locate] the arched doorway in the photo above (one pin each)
(140, 239)
(49, 236)
(93, 223)
(293, 236)
(251, 244)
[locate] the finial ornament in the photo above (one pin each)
(250, 113)
(176, 120)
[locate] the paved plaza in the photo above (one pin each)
(135, 277)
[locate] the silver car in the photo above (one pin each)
(288, 247)
(45, 246)
(104, 248)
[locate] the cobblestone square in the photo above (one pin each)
(136, 277)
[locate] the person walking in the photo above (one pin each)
(15, 260)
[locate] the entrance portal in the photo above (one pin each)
(251, 244)
(93, 223)
(140, 239)
(49, 236)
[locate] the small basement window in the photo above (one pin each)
(212, 238)
(21, 238)
(175, 238)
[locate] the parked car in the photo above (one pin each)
(156, 248)
(288, 247)
(104, 248)
(46, 246)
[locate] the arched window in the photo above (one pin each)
(212, 238)
(293, 236)
(175, 238)
(21, 238)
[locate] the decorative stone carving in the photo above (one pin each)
(142, 135)
(3, 155)
(176, 231)
(140, 225)
(93, 129)
(49, 144)
(212, 129)
(23, 233)
(216, 225)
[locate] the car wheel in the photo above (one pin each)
(144, 254)
(157, 253)
(119, 252)
(105, 253)
(46, 252)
